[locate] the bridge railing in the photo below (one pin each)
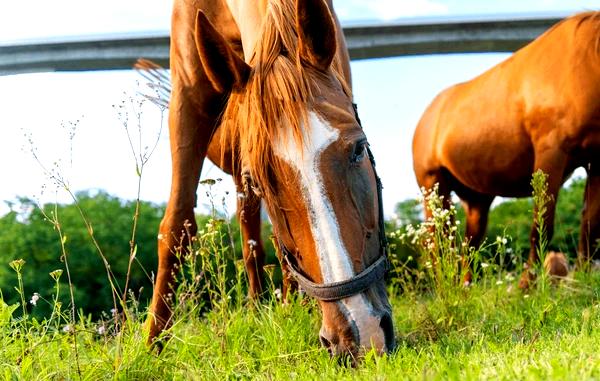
(410, 37)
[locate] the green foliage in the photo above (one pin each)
(515, 218)
(489, 330)
(409, 212)
(512, 218)
(29, 236)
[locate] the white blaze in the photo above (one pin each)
(334, 259)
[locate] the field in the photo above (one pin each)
(487, 331)
(445, 330)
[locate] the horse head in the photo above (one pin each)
(290, 115)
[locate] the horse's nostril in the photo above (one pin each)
(387, 326)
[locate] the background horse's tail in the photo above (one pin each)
(158, 81)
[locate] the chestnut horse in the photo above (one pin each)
(539, 109)
(261, 89)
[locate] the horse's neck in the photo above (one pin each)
(248, 15)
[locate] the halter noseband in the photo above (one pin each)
(358, 283)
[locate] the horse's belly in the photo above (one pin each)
(492, 165)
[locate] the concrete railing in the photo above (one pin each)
(410, 37)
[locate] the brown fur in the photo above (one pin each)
(539, 109)
(232, 111)
(556, 265)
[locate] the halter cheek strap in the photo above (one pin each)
(338, 290)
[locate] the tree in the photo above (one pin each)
(30, 236)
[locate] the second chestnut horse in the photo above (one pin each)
(539, 109)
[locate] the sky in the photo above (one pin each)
(39, 110)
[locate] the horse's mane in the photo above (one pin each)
(275, 99)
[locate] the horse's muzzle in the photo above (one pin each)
(345, 343)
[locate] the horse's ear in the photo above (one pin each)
(316, 33)
(225, 69)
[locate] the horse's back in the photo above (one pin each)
(559, 75)
(484, 131)
(552, 88)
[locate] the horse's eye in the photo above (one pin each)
(359, 151)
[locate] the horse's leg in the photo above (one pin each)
(553, 163)
(477, 211)
(477, 207)
(253, 249)
(590, 218)
(188, 149)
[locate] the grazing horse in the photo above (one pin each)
(261, 89)
(539, 109)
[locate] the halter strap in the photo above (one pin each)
(338, 290)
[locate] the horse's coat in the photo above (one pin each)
(262, 89)
(539, 109)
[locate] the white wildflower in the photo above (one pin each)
(252, 243)
(35, 298)
(68, 328)
(277, 293)
(484, 265)
(101, 330)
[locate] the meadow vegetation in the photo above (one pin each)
(76, 279)
(445, 330)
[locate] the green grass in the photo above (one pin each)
(445, 330)
(487, 332)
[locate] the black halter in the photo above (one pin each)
(358, 283)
